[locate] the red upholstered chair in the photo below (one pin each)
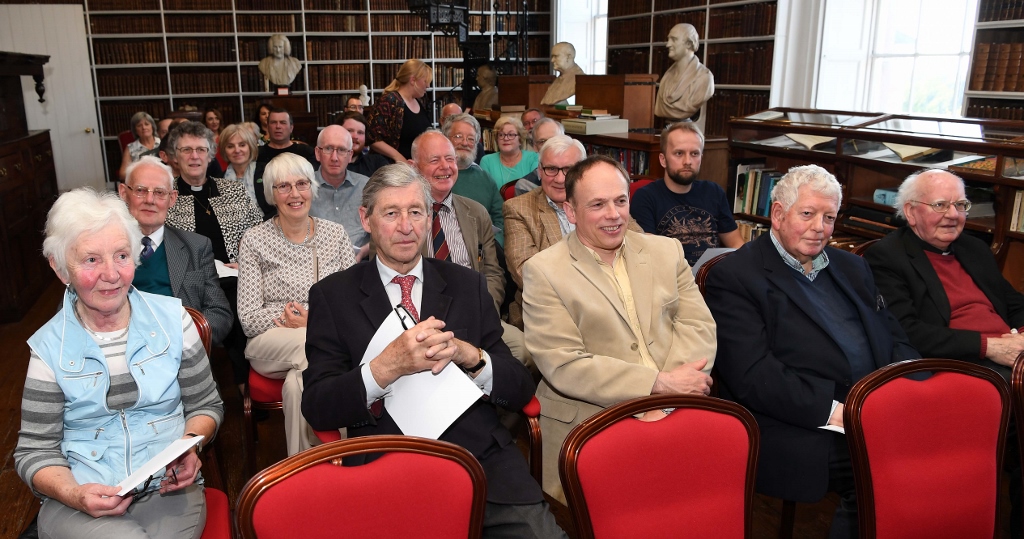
(637, 184)
(701, 486)
(926, 438)
(860, 248)
(702, 273)
(124, 138)
(508, 190)
(218, 515)
(261, 393)
(1017, 397)
(419, 488)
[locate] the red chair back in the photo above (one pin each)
(508, 190)
(1017, 396)
(637, 184)
(926, 437)
(218, 515)
(691, 473)
(418, 488)
(124, 138)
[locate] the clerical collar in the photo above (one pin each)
(927, 247)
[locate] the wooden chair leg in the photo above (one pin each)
(249, 448)
(788, 518)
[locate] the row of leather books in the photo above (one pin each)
(997, 111)
(117, 116)
(742, 63)
(743, 21)
(726, 104)
(1000, 10)
(336, 76)
(339, 48)
(998, 67)
(322, 22)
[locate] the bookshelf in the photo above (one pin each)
(984, 152)
(995, 88)
(162, 55)
(737, 45)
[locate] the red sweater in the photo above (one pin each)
(969, 308)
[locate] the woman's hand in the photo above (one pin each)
(181, 472)
(232, 265)
(294, 316)
(98, 500)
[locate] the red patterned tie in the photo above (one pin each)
(437, 233)
(406, 284)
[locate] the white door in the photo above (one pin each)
(70, 109)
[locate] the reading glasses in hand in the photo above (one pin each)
(942, 206)
(283, 188)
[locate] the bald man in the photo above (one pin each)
(341, 190)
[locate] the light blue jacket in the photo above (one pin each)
(106, 446)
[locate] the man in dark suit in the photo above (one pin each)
(174, 262)
(456, 322)
(945, 287)
(798, 324)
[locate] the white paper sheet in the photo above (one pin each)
(834, 428)
(423, 404)
(224, 271)
(157, 463)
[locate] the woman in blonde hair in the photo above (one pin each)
(399, 115)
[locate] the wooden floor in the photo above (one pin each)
(227, 473)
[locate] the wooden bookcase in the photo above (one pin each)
(862, 164)
(737, 45)
(995, 88)
(161, 55)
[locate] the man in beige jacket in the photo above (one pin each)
(610, 314)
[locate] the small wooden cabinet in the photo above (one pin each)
(28, 187)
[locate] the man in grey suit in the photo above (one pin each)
(174, 262)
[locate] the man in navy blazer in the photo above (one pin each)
(798, 324)
(457, 323)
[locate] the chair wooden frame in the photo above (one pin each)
(333, 453)
(532, 413)
(862, 247)
(251, 430)
(582, 433)
(1017, 397)
(203, 326)
(702, 274)
(855, 434)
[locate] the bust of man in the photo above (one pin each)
(280, 67)
(487, 79)
(563, 60)
(687, 84)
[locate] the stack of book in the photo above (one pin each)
(595, 122)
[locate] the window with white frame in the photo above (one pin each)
(905, 56)
(584, 23)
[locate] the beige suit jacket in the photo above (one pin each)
(578, 331)
(475, 223)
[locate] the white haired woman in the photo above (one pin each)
(278, 261)
(114, 377)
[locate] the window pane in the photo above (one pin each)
(897, 24)
(890, 84)
(941, 27)
(934, 88)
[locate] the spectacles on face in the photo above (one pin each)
(330, 150)
(551, 172)
(357, 108)
(470, 139)
(286, 187)
(507, 136)
(143, 192)
(942, 206)
(189, 151)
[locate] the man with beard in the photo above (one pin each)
(696, 213)
(363, 162)
(463, 130)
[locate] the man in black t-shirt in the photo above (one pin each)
(279, 129)
(696, 213)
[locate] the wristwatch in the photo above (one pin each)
(199, 446)
(479, 365)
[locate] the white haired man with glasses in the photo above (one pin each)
(945, 286)
(174, 262)
(341, 189)
(463, 130)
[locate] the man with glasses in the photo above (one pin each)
(543, 129)
(944, 286)
(463, 130)
(353, 104)
(681, 206)
(175, 262)
(340, 189)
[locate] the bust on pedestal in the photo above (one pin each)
(488, 97)
(687, 84)
(280, 67)
(563, 60)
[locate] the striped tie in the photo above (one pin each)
(440, 246)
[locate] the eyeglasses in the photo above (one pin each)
(330, 150)
(942, 206)
(143, 492)
(143, 192)
(553, 171)
(285, 188)
(460, 138)
(189, 151)
(507, 136)
(354, 107)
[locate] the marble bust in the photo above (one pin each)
(280, 67)
(488, 80)
(687, 84)
(563, 60)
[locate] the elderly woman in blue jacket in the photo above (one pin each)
(114, 377)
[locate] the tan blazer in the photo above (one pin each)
(531, 225)
(578, 331)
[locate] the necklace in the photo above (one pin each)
(204, 206)
(97, 335)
